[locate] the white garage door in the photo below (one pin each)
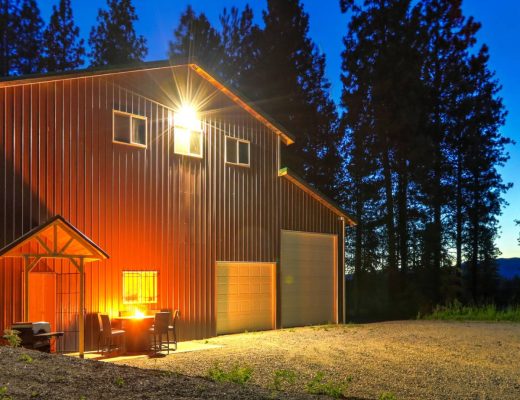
(245, 296)
(308, 278)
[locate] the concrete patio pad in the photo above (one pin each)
(182, 347)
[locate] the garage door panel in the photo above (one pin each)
(245, 297)
(308, 278)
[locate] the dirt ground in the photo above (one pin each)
(410, 359)
(27, 374)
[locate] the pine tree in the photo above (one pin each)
(295, 92)
(28, 58)
(64, 50)
(422, 148)
(9, 21)
(240, 38)
(195, 38)
(114, 40)
(483, 185)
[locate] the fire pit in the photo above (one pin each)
(36, 335)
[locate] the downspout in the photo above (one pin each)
(344, 286)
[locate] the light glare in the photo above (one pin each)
(186, 117)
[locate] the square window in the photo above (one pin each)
(187, 134)
(237, 151)
(196, 143)
(129, 128)
(188, 143)
(139, 287)
(139, 131)
(121, 128)
(243, 153)
(231, 150)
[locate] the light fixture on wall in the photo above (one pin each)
(186, 117)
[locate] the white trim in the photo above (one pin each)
(131, 116)
(237, 140)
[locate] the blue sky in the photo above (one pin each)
(500, 31)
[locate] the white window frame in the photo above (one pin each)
(188, 153)
(132, 117)
(237, 141)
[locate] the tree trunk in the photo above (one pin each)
(402, 225)
(458, 216)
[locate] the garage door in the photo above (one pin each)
(308, 278)
(245, 297)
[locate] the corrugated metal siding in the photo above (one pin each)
(147, 208)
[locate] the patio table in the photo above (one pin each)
(137, 335)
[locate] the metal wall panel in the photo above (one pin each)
(147, 208)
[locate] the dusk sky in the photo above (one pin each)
(500, 31)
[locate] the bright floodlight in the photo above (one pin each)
(186, 117)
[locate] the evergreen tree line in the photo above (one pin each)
(28, 46)
(412, 153)
(422, 148)
(418, 141)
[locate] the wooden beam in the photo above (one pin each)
(55, 231)
(43, 244)
(81, 332)
(28, 266)
(62, 251)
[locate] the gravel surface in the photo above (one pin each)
(411, 359)
(45, 376)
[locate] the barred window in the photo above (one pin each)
(139, 287)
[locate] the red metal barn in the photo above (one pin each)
(178, 182)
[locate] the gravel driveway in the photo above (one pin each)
(410, 359)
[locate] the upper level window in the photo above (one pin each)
(237, 151)
(129, 128)
(187, 133)
(139, 287)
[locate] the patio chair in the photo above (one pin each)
(159, 330)
(107, 335)
(172, 324)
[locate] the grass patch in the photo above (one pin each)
(119, 382)
(13, 338)
(458, 312)
(282, 379)
(26, 358)
(318, 385)
(236, 374)
(3, 394)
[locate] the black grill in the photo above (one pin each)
(36, 335)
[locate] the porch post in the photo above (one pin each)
(26, 288)
(27, 268)
(81, 308)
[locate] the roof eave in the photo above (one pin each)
(325, 200)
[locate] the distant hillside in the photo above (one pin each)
(508, 268)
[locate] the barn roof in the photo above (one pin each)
(308, 188)
(232, 94)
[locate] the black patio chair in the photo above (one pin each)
(161, 328)
(172, 325)
(107, 335)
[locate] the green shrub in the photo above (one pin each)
(119, 382)
(318, 385)
(387, 396)
(12, 337)
(283, 378)
(3, 394)
(236, 374)
(26, 358)
(456, 311)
